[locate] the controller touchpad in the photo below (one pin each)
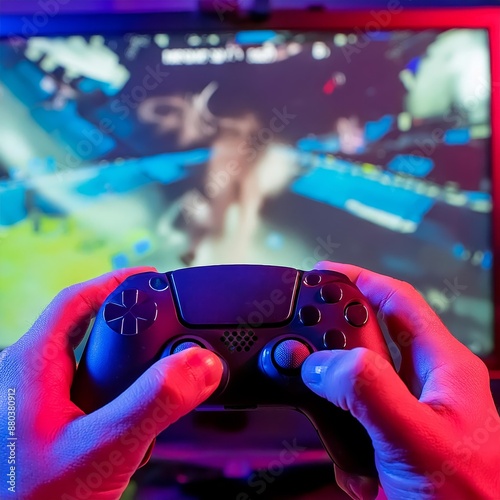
(235, 295)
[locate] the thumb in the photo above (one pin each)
(364, 383)
(168, 390)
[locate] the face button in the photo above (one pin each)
(331, 293)
(334, 339)
(312, 279)
(290, 354)
(130, 312)
(309, 315)
(356, 314)
(158, 283)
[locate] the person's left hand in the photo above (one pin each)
(50, 449)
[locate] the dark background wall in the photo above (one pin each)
(14, 6)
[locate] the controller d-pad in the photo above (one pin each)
(290, 354)
(130, 312)
(356, 314)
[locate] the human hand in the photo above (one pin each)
(59, 452)
(434, 427)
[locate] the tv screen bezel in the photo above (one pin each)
(392, 17)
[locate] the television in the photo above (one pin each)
(181, 139)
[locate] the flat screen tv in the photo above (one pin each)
(180, 140)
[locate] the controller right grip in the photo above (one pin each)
(345, 440)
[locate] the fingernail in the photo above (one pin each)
(312, 373)
(213, 369)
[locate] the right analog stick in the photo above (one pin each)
(290, 354)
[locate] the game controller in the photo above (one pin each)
(262, 321)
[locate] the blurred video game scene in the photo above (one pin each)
(269, 147)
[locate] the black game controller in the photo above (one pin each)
(262, 321)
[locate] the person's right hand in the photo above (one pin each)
(434, 427)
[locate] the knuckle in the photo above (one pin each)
(69, 291)
(402, 291)
(176, 394)
(169, 385)
(479, 368)
(407, 289)
(361, 363)
(180, 382)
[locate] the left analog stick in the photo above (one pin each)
(187, 343)
(182, 346)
